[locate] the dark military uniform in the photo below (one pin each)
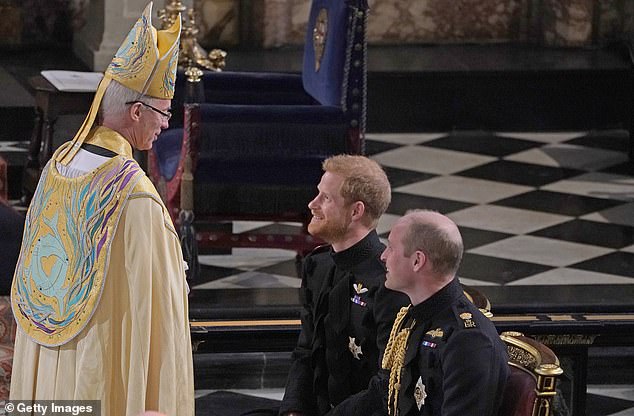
(455, 363)
(346, 321)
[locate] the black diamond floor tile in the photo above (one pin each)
(617, 140)
(619, 263)
(400, 177)
(15, 158)
(497, 270)
(626, 168)
(473, 237)
(285, 268)
(277, 228)
(558, 203)
(591, 232)
(519, 173)
(402, 202)
(373, 147)
(605, 406)
(210, 273)
(482, 142)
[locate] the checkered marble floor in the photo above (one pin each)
(533, 208)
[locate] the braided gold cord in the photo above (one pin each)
(395, 356)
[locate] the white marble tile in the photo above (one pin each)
(386, 222)
(248, 258)
(19, 147)
(629, 249)
(427, 159)
(252, 279)
(597, 185)
(541, 250)
(479, 191)
(506, 220)
(404, 138)
(550, 137)
(622, 215)
(566, 276)
(243, 226)
(475, 283)
(570, 156)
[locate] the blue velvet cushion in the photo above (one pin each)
(326, 83)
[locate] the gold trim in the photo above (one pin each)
(497, 318)
(220, 324)
(549, 369)
(557, 318)
(566, 339)
(320, 34)
(518, 318)
(612, 317)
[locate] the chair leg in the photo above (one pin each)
(189, 244)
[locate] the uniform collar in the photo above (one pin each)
(109, 139)
(428, 308)
(359, 252)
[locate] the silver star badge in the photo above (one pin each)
(354, 348)
(419, 393)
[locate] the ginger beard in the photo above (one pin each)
(331, 227)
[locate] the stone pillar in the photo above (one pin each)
(107, 24)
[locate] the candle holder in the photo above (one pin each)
(191, 54)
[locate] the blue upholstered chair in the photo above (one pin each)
(252, 144)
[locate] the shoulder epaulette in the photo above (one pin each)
(467, 319)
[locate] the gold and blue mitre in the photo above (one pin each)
(145, 62)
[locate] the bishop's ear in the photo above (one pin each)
(134, 111)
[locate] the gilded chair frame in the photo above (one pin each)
(540, 362)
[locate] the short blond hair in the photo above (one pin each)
(363, 180)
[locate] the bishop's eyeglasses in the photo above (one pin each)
(165, 114)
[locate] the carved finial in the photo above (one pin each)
(193, 74)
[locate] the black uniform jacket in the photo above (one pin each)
(346, 319)
(457, 354)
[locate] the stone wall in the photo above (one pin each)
(277, 23)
